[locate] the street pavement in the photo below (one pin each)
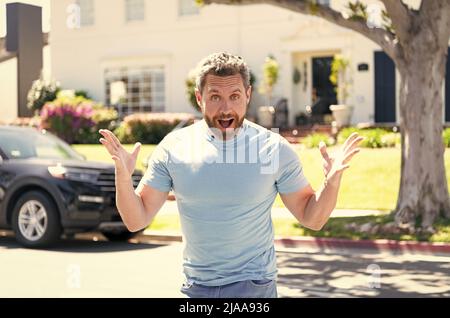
(89, 266)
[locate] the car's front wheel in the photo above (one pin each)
(35, 220)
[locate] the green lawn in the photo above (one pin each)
(335, 227)
(371, 182)
(99, 153)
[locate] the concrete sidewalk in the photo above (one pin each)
(170, 207)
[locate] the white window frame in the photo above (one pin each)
(87, 12)
(151, 96)
(134, 10)
(186, 10)
(324, 2)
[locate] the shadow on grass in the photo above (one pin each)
(337, 228)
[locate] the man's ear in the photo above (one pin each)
(198, 97)
(249, 94)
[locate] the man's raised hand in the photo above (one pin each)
(124, 161)
(342, 157)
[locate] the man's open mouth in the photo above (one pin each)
(226, 123)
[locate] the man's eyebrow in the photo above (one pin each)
(213, 90)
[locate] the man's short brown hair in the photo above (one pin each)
(221, 64)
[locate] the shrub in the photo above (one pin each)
(190, 90)
(374, 138)
(76, 119)
(391, 139)
(446, 137)
(271, 70)
(345, 133)
(313, 140)
(150, 128)
(82, 93)
(103, 118)
(40, 93)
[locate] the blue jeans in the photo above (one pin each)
(265, 288)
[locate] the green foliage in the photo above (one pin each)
(391, 139)
(313, 140)
(271, 70)
(339, 228)
(338, 77)
(103, 118)
(41, 92)
(446, 137)
(387, 22)
(374, 138)
(313, 7)
(190, 90)
(358, 11)
(82, 93)
(149, 128)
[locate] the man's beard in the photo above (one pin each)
(225, 126)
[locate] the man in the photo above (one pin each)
(225, 172)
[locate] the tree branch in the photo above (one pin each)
(381, 37)
(401, 17)
(436, 14)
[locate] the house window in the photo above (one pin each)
(135, 89)
(87, 12)
(324, 2)
(135, 10)
(187, 7)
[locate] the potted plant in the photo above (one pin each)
(270, 77)
(342, 112)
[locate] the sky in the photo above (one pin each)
(45, 4)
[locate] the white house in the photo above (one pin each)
(138, 53)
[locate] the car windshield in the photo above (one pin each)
(30, 144)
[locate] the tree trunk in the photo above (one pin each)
(423, 187)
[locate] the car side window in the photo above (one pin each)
(15, 147)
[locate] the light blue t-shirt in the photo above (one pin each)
(225, 191)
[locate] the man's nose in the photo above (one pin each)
(225, 107)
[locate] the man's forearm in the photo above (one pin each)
(322, 203)
(130, 205)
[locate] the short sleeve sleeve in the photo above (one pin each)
(157, 175)
(290, 177)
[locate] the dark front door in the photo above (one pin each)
(384, 88)
(324, 93)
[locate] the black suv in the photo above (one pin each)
(47, 189)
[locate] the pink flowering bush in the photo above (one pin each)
(76, 119)
(150, 128)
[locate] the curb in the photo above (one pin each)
(324, 242)
(387, 245)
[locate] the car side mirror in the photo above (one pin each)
(1, 159)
